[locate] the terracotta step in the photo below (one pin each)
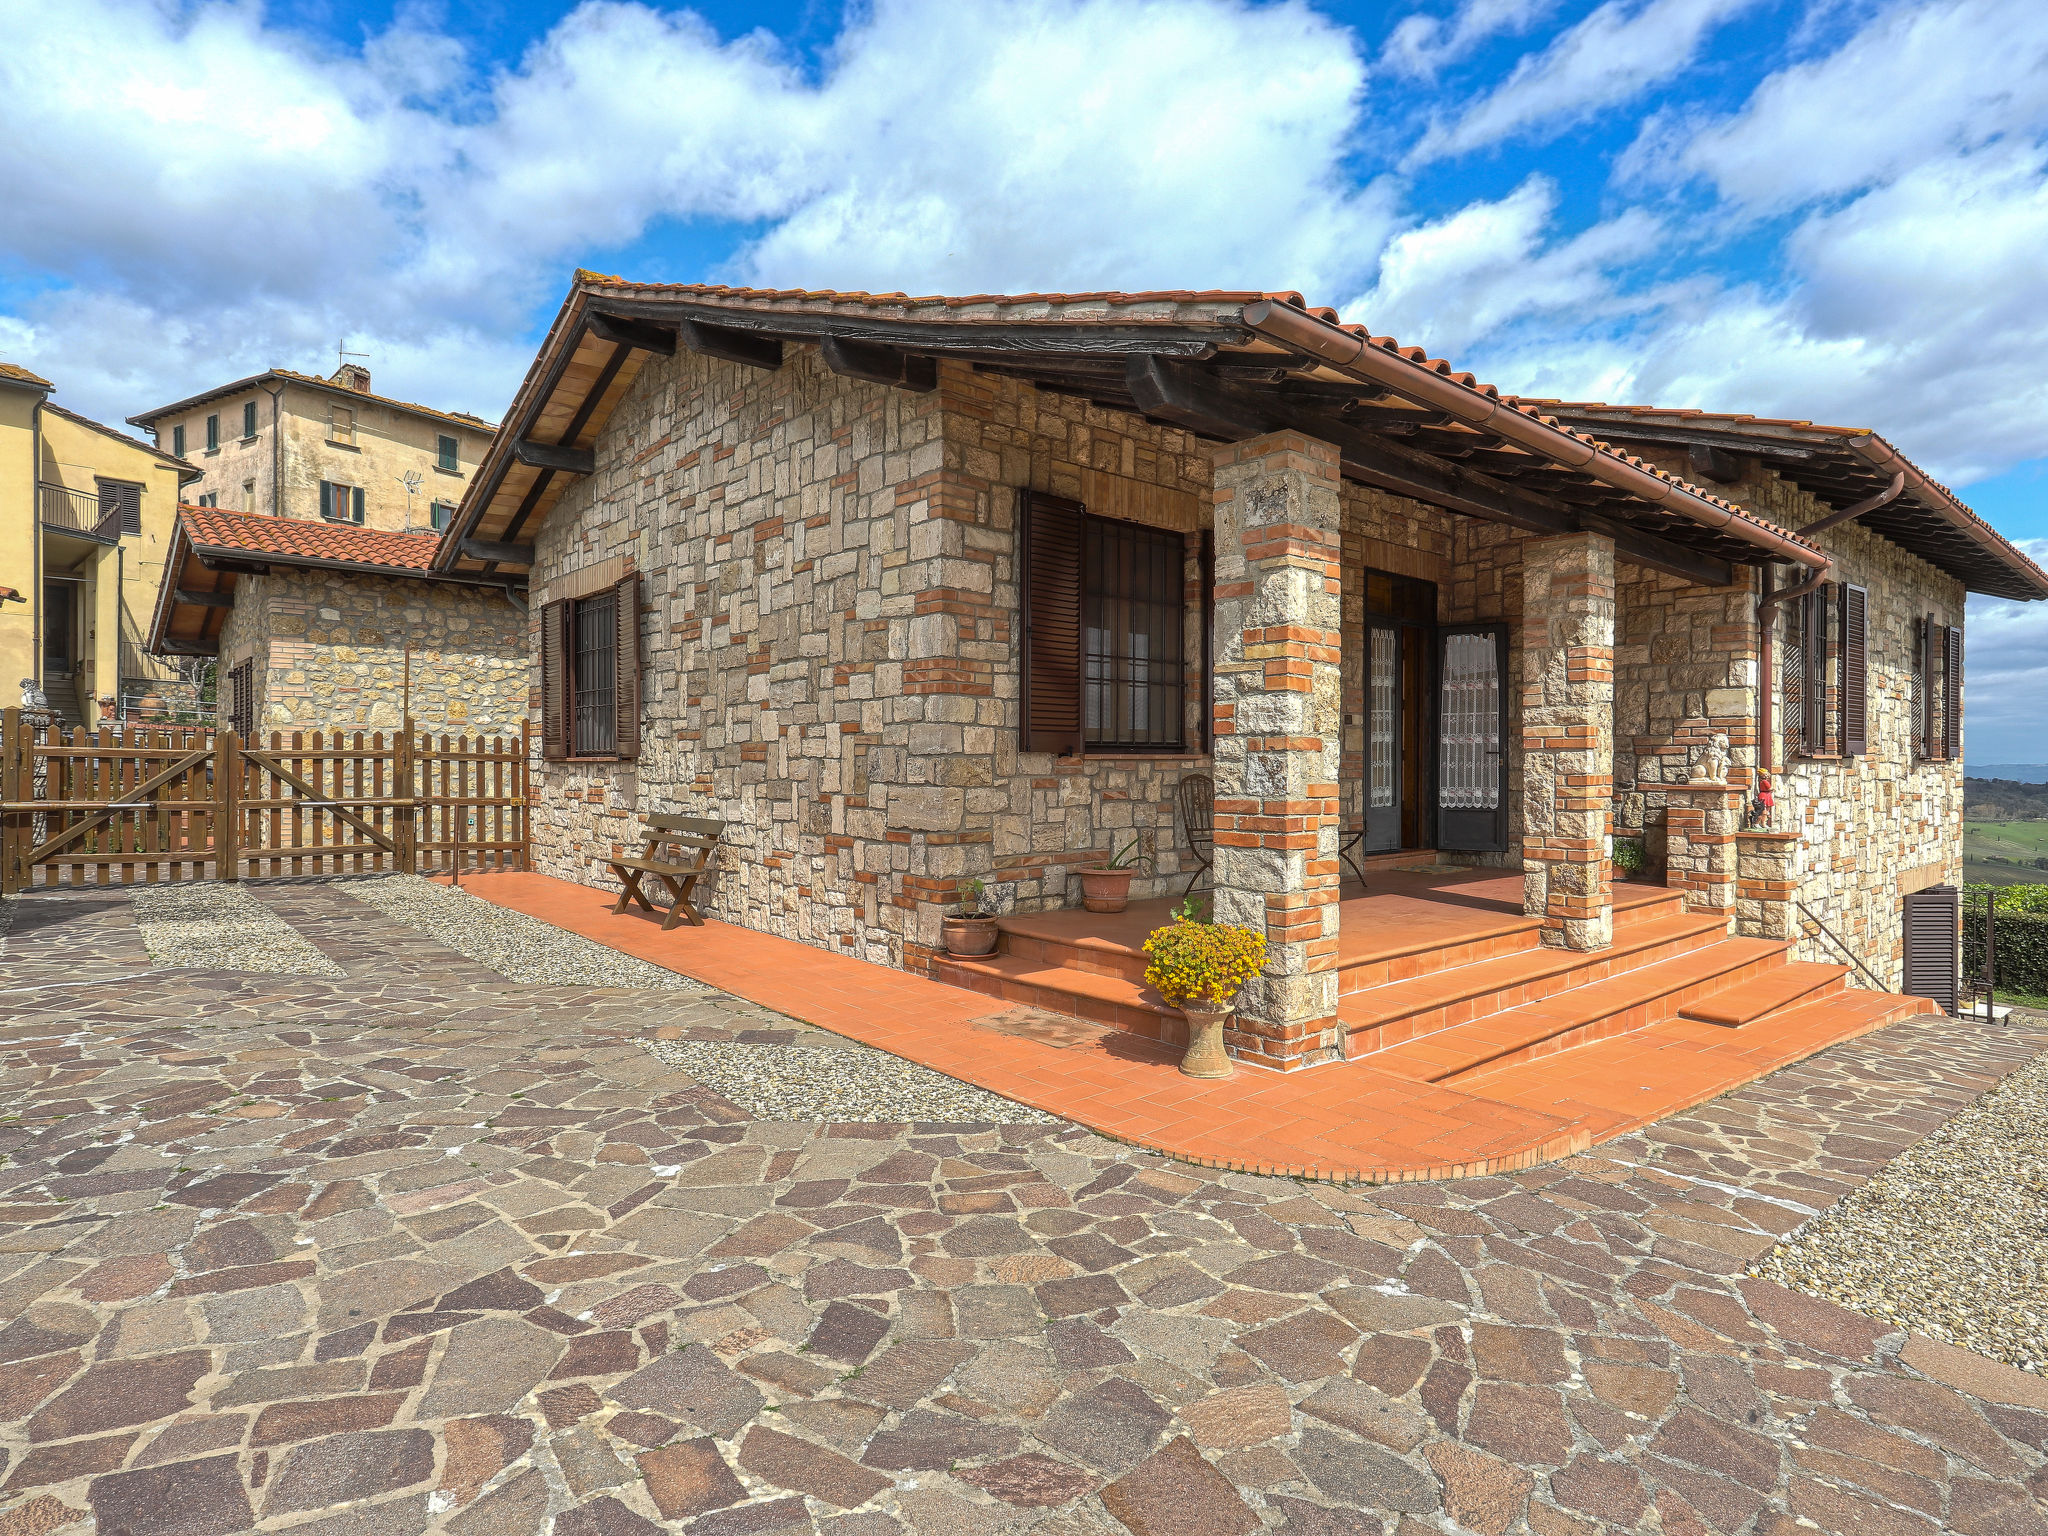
(1797, 981)
(1386, 1016)
(1619, 1004)
(1113, 1000)
(1101, 957)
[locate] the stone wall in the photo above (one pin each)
(330, 650)
(1874, 826)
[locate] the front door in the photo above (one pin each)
(1471, 792)
(1400, 618)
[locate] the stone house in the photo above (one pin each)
(319, 627)
(913, 591)
(295, 445)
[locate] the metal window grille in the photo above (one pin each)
(242, 697)
(1134, 638)
(1792, 683)
(593, 677)
(1470, 766)
(1383, 736)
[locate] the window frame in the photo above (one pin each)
(354, 499)
(560, 650)
(213, 432)
(178, 441)
(1125, 693)
(341, 425)
(248, 420)
(447, 453)
(435, 509)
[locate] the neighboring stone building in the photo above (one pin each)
(318, 628)
(293, 445)
(917, 590)
(85, 521)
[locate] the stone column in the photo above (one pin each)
(1700, 821)
(1279, 712)
(1568, 737)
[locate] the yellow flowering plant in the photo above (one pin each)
(1200, 962)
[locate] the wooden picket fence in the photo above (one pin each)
(151, 804)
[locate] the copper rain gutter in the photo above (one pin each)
(1351, 353)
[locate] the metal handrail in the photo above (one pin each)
(1844, 948)
(76, 511)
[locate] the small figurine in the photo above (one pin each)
(1760, 808)
(32, 697)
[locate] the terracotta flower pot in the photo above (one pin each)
(1205, 1055)
(968, 936)
(1106, 890)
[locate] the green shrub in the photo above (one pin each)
(2022, 936)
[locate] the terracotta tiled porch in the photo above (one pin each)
(1348, 1120)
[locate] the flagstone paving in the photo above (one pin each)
(421, 1250)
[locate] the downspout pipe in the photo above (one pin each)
(1769, 602)
(1351, 353)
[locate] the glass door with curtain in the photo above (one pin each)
(1400, 620)
(1472, 718)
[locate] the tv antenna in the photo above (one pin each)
(342, 354)
(412, 480)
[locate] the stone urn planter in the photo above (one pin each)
(1205, 1055)
(1200, 968)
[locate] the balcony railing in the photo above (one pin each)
(79, 512)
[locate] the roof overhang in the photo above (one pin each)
(1840, 466)
(1224, 366)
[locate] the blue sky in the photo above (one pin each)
(1832, 209)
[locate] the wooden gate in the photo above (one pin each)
(146, 805)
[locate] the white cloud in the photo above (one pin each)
(1421, 45)
(1618, 52)
(237, 196)
(1920, 81)
(1490, 266)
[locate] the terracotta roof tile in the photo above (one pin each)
(293, 537)
(191, 471)
(461, 418)
(15, 373)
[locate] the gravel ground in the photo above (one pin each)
(845, 1083)
(214, 926)
(1951, 1239)
(518, 947)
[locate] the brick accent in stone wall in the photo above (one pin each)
(1568, 737)
(1701, 822)
(1279, 702)
(331, 650)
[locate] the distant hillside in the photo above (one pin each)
(2020, 773)
(2004, 800)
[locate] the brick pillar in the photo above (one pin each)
(1767, 874)
(1568, 737)
(1700, 821)
(1279, 711)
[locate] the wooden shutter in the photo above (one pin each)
(554, 681)
(356, 505)
(1952, 692)
(626, 676)
(1855, 670)
(1049, 566)
(1934, 958)
(1813, 690)
(327, 498)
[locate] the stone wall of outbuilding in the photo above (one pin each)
(330, 650)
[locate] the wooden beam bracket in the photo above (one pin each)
(625, 332)
(723, 341)
(492, 552)
(206, 599)
(567, 461)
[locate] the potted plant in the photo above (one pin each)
(1199, 967)
(1628, 857)
(972, 930)
(1106, 887)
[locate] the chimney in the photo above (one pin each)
(352, 376)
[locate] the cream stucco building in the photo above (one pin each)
(86, 515)
(293, 445)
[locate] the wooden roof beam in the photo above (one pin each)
(491, 551)
(638, 334)
(722, 341)
(565, 461)
(205, 599)
(880, 365)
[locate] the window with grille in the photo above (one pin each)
(1824, 672)
(593, 675)
(1133, 635)
(242, 697)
